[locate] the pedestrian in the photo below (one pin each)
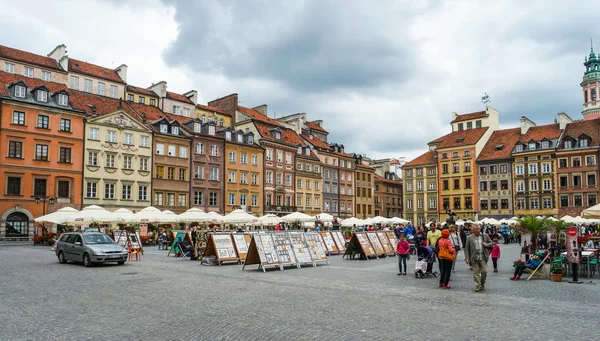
(476, 255)
(495, 253)
(504, 230)
(403, 251)
(432, 237)
(456, 242)
(446, 255)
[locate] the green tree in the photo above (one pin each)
(533, 226)
(559, 227)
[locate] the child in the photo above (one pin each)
(495, 253)
(402, 249)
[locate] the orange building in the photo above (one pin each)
(41, 162)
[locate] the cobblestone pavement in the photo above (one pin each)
(161, 298)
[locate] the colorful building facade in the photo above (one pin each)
(420, 188)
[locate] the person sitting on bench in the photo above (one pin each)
(532, 264)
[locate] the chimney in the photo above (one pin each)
(193, 96)
(526, 124)
(261, 109)
(454, 115)
(122, 72)
(319, 123)
(160, 89)
(563, 120)
(60, 55)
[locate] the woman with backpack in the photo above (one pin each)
(446, 255)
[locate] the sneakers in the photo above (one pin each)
(513, 278)
(441, 285)
(518, 278)
(447, 287)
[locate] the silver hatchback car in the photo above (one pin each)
(89, 248)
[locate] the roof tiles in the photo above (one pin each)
(538, 133)
(30, 58)
(461, 138)
(9, 78)
(93, 70)
(590, 128)
(256, 116)
(212, 109)
(141, 91)
(314, 126)
(426, 158)
(500, 145)
(288, 136)
(470, 116)
(316, 142)
(178, 97)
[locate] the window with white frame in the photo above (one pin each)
(419, 203)
(431, 202)
(244, 178)
(214, 173)
(111, 136)
(211, 130)
(255, 179)
(175, 130)
(409, 204)
(269, 177)
(288, 158)
(533, 185)
(109, 191)
(126, 192)
(243, 199)
(308, 184)
(182, 151)
(547, 185)
(114, 91)
(176, 109)
(546, 167)
(288, 179)
(91, 190)
(519, 169)
(214, 150)
(42, 95)
(198, 198)
(231, 199)
(110, 160)
(144, 164)
(590, 160)
(534, 204)
(547, 203)
(299, 183)
(532, 168)
(231, 176)
(128, 138)
(127, 162)
(101, 88)
(9, 67)
(75, 82)
(232, 157)
(19, 91)
(279, 178)
(186, 112)
(93, 158)
(254, 160)
(87, 85)
(144, 141)
(197, 127)
(164, 128)
(63, 100)
(254, 200)
(269, 154)
(198, 174)
(520, 186)
(160, 149)
(199, 148)
(244, 158)
(279, 156)
(171, 150)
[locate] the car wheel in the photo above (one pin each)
(121, 262)
(61, 258)
(87, 262)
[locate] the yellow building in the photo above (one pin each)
(308, 181)
(211, 114)
(243, 172)
(364, 185)
(140, 95)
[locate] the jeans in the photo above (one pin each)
(480, 269)
(505, 237)
(495, 262)
(446, 270)
(401, 261)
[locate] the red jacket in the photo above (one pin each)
(495, 252)
(445, 243)
(403, 247)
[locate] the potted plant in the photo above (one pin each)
(558, 271)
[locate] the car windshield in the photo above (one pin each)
(97, 238)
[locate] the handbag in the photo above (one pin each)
(444, 253)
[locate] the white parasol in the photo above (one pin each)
(57, 217)
(151, 215)
(270, 219)
(298, 217)
(240, 217)
(193, 215)
(124, 215)
(351, 222)
(91, 214)
(214, 217)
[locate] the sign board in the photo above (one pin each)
(360, 241)
(221, 246)
(120, 237)
(241, 243)
(316, 247)
(144, 230)
(179, 234)
(329, 243)
(385, 242)
(572, 245)
(262, 252)
(300, 249)
(339, 239)
(284, 249)
(392, 237)
(376, 244)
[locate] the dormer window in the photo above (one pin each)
(307, 151)
(203, 119)
(300, 150)
(531, 146)
(228, 135)
(20, 91)
(42, 95)
(583, 143)
(568, 144)
(175, 130)
(63, 99)
(545, 144)
(221, 123)
(277, 135)
(240, 138)
(519, 148)
(250, 139)
(460, 140)
(197, 127)
(164, 128)
(211, 130)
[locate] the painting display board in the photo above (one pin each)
(284, 249)
(262, 252)
(329, 243)
(385, 242)
(144, 230)
(376, 244)
(241, 243)
(392, 237)
(120, 237)
(300, 249)
(316, 247)
(339, 239)
(360, 241)
(176, 235)
(221, 246)
(135, 242)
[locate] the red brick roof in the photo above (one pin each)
(313, 125)
(590, 128)
(462, 138)
(178, 97)
(212, 109)
(470, 116)
(288, 136)
(93, 70)
(103, 105)
(500, 145)
(548, 131)
(29, 58)
(427, 158)
(9, 78)
(382, 179)
(151, 112)
(256, 116)
(316, 142)
(142, 91)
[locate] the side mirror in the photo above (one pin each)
(77, 243)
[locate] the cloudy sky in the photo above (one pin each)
(385, 76)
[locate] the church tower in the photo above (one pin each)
(591, 86)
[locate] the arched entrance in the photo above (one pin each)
(17, 225)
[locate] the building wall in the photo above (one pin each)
(101, 174)
(169, 103)
(411, 194)
(201, 184)
(364, 198)
(28, 169)
(165, 186)
(136, 98)
(95, 81)
(19, 69)
(388, 199)
(238, 188)
(311, 175)
(330, 188)
(463, 193)
(279, 194)
(525, 160)
(587, 192)
(222, 120)
(346, 188)
(487, 194)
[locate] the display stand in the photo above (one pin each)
(361, 242)
(385, 242)
(284, 249)
(376, 244)
(301, 249)
(221, 246)
(316, 247)
(340, 241)
(330, 246)
(262, 252)
(392, 237)
(241, 243)
(184, 236)
(120, 237)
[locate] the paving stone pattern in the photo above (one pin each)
(161, 298)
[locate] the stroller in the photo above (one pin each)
(424, 264)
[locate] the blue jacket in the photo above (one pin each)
(504, 229)
(533, 263)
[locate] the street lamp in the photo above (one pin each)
(43, 201)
